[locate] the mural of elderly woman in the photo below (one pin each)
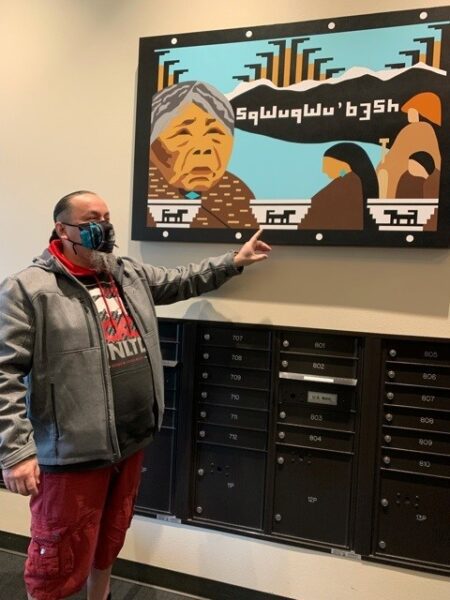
(341, 204)
(416, 136)
(190, 146)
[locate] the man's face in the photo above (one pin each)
(193, 151)
(83, 208)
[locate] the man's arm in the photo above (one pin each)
(181, 283)
(17, 448)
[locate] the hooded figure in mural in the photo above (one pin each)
(417, 136)
(190, 146)
(341, 204)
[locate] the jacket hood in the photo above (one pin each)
(48, 261)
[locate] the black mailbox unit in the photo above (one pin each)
(315, 437)
(156, 494)
(413, 497)
(332, 440)
(231, 403)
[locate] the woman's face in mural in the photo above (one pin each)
(334, 168)
(193, 151)
(417, 169)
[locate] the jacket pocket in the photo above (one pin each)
(50, 554)
(80, 406)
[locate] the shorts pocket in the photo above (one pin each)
(50, 554)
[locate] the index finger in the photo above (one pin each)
(256, 235)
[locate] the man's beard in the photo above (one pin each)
(102, 262)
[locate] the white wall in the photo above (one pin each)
(67, 108)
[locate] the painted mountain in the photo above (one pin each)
(361, 105)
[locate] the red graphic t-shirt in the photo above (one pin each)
(131, 373)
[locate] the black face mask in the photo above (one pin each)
(95, 235)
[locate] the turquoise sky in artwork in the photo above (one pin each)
(275, 169)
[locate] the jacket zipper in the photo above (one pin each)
(55, 420)
(88, 325)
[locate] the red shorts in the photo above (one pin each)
(79, 521)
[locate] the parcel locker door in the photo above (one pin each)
(413, 519)
(229, 486)
(155, 493)
(312, 496)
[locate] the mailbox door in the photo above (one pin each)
(413, 519)
(312, 496)
(155, 494)
(229, 486)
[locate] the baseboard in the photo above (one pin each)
(171, 580)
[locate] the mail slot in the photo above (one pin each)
(413, 520)
(231, 436)
(410, 462)
(231, 396)
(435, 399)
(416, 440)
(258, 359)
(169, 418)
(418, 351)
(320, 365)
(315, 438)
(168, 330)
(317, 343)
(297, 414)
(236, 417)
(170, 398)
(413, 419)
(235, 337)
(170, 350)
(317, 395)
(170, 378)
(428, 375)
(236, 377)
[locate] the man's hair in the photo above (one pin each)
(63, 206)
(170, 101)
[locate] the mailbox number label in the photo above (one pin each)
(425, 442)
(429, 376)
(426, 464)
(315, 417)
(428, 398)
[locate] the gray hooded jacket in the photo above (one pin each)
(55, 385)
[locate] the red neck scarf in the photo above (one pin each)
(56, 248)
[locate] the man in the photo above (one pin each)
(81, 389)
(190, 146)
